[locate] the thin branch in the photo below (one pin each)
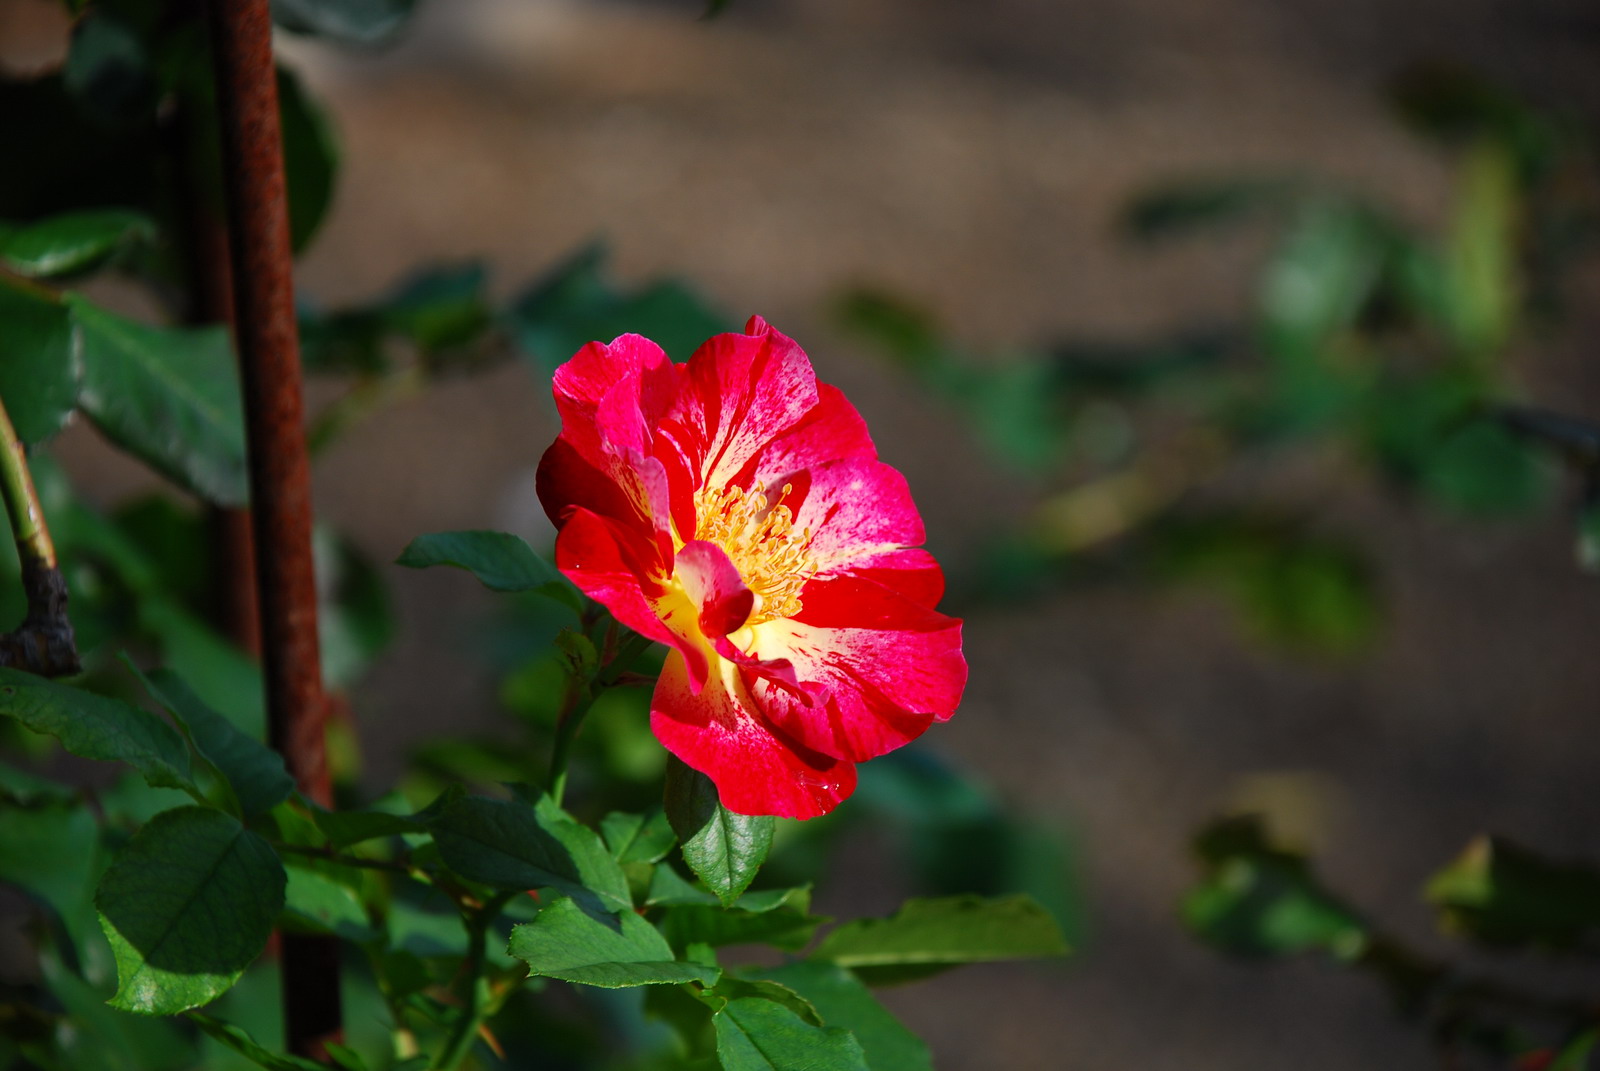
(44, 642)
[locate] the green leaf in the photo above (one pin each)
(345, 828)
(310, 156)
(577, 304)
(1481, 270)
(1574, 1055)
(1502, 894)
(842, 1000)
(927, 936)
(50, 851)
(566, 942)
(38, 362)
(732, 988)
(242, 1043)
(724, 849)
(760, 1035)
(72, 243)
(355, 621)
(361, 22)
(108, 70)
(638, 838)
(1258, 899)
(1483, 469)
(254, 771)
(187, 906)
(323, 904)
(96, 727)
(784, 928)
(441, 307)
(501, 561)
(1183, 208)
(511, 845)
(169, 396)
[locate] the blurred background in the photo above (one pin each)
(1186, 593)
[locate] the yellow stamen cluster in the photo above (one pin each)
(761, 541)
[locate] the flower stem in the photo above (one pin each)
(44, 643)
(475, 993)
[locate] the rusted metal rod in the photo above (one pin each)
(280, 471)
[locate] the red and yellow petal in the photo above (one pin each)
(757, 769)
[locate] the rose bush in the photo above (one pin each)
(734, 509)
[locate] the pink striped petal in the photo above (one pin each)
(714, 587)
(756, 768)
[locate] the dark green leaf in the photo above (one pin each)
(724, 849)
(501, 561)
(927, 936)
(1505, 895)
(760, 1035)
(242, 1043)
(310, 156)
(187, 906)
(731, 988)
(1574, 1056)
(638, 838)
(784, 928)
(355, 622)
(71, 243)
(169, 396)
(345, 828)
(576, 304)
(361, 22)
(1482, 468)
(566, 942)
(842, 1000)
(38, 383)
(1183, 208)
(108, 70)
(323, 904)
(511, 845)
(1258, 899)
(254, 771)
(441, 307)
(96, 727)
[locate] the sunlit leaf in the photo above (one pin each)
(724, 849)
(187, 906)
(928, 936)
(566, 942)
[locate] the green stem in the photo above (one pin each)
(22, 501)
(476, 1004)
(579, 700)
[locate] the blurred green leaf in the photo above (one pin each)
(97, 727)
(1257, 899)
(576, 304)
(38, 378)
(1588, 537)
(565, 942)
(322, 903)
(50, 850)
(1482, 469)
(361, 22)
(1181, 208)
(512, 845)
(356, 623)
(501, 561)
(169, 396)
(310, 154)
(187, 906)
(1481, 265)
(928, 936)
(1502, 894)
(724, 849)
(72, 243)
(843, 1001)
(754, 1034)
(108, 70)
(254, 772)
(441, 307)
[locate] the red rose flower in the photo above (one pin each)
(734, 509)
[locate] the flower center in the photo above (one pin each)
(760, 539)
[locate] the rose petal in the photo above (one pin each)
(891, 668)
(757, 770)
(714, 586)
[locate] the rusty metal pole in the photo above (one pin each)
(280, 470)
